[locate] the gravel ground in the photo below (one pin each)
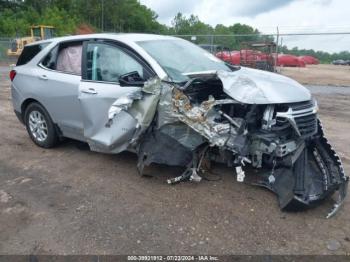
(69, 200)
(319, 74)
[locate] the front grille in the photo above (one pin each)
(302, 116)
(302, 105)
(307, 125)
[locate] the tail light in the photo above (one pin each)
(12, 74)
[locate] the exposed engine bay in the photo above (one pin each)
(197, 121)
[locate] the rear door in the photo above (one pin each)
(57, 79)
(105, 128)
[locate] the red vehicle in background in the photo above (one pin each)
(301, 62)
(254, 55)
(289, 61)
(265, 59)
(309, 60)
(244, 57)
(232, 57)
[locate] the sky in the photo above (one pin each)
(291, 16)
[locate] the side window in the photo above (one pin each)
(65, 57)
(29, 52)
(50, 59)
(106, 62)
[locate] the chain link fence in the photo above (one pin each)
(5, 44)
(212, 43)
(5, 60)
(256, 51)
(226, 42)
(297, 55)
(263, 52)
(334, 45)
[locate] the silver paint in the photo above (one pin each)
(251, 86)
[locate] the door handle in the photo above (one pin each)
(89, 91)
(43, 77)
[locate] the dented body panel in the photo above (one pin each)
(96, 101)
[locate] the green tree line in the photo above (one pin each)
(16, 16)
(102, 15)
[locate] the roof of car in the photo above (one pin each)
(113, 36)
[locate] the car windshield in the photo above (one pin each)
(179, 57)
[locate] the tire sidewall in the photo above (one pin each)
(51, 139)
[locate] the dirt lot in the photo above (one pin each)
(319, 74)
(69, 200)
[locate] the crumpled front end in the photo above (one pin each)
(200, 122)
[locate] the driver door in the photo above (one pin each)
(103, 64)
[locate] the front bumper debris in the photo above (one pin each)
(317, 174)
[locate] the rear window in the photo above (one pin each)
(29, 52)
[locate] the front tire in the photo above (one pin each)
(39, 126)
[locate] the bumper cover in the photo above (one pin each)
(316, 175)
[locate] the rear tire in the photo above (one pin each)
(39, 126)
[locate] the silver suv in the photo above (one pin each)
(171, 102)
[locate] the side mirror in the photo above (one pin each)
(131, 79)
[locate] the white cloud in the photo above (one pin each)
(290, 15)
(166, 10)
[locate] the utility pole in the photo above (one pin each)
(277, 40)
(102, 15)
(281, 43)
(15, 11)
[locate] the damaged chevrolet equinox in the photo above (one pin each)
(173, 103)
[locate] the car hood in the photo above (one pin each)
(252, 86)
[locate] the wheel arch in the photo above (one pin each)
(24, 106)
